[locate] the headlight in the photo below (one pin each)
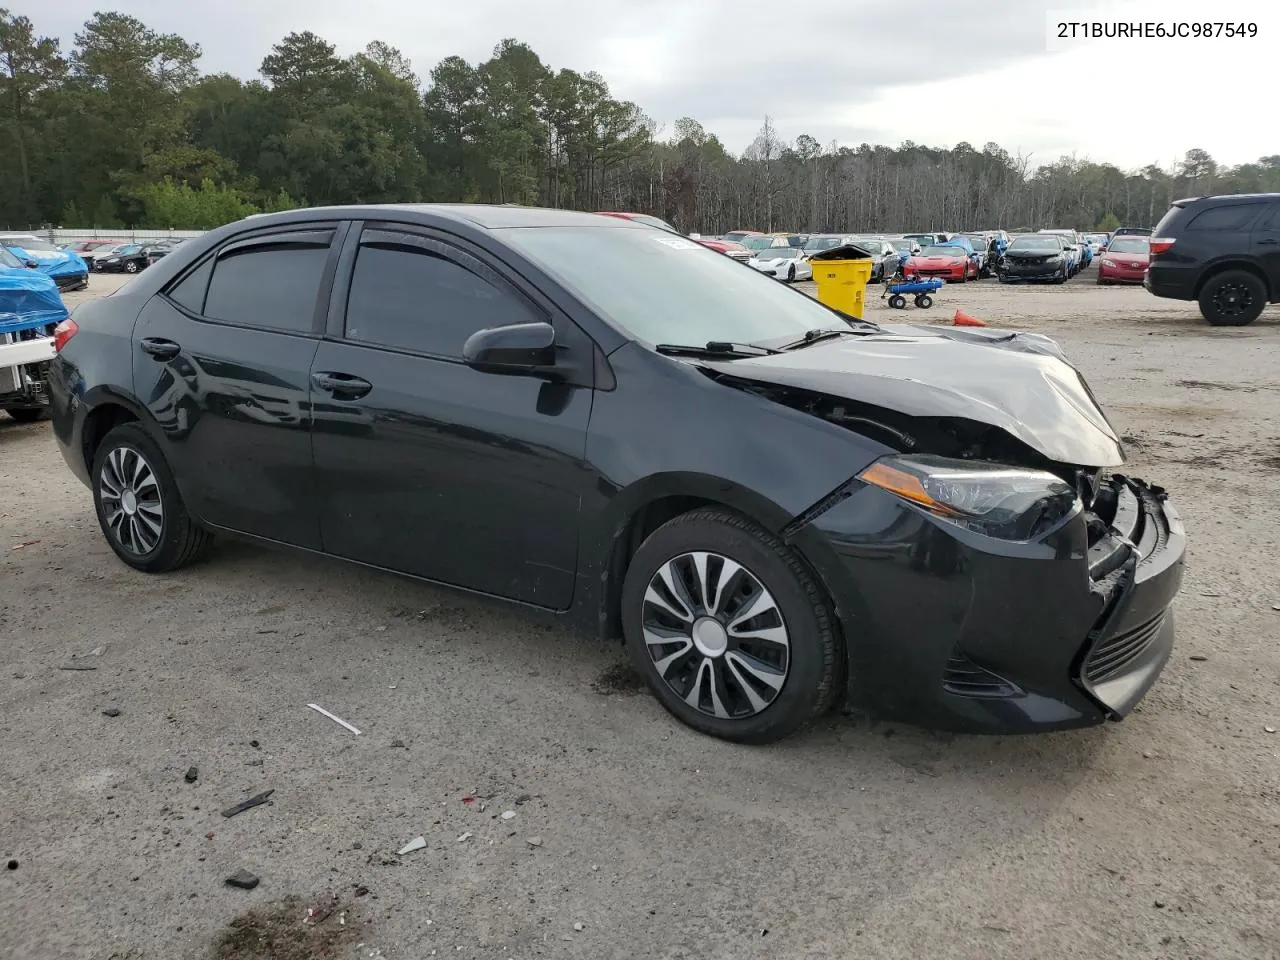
(1107, 262)
(1009, 503)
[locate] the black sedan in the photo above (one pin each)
(131, 259)
(1034, 257)
(770, 503)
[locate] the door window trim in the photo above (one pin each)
(266, 237)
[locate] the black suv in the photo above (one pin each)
(1221, 251)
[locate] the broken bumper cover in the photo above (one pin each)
(954, 630)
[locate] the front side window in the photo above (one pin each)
(406, 296)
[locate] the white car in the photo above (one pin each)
(782, 263)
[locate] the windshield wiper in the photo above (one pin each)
(716, 348)
(823, 333)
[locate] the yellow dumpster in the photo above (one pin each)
(842, 275)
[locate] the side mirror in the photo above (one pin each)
(518, 349)
(31, 264)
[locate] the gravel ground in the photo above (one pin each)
(1156, 837)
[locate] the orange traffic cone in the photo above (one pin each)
(963, 319)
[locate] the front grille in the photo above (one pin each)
(1111, 657)
(964, 678)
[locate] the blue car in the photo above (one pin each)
(65, 268)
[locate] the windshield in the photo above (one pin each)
(1037, 244)
(822, 243)
(778, 253)
(757, 243)
(739, 236)
(868, 244)
(29, 243)
(668, 290)
(7, 259)
(1129, 245)
(127, 248)
(955, 253)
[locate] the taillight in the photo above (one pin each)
(1161, 245)
(63, 333)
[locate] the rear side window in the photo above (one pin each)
(269, 282)
(1272, 220)
(1230, 216)
(408, 296)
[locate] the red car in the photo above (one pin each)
(640, 218)
(1125, 260)
(728, 247)
(950, 263)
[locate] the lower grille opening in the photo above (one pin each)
(964, 678)
(1114, 655)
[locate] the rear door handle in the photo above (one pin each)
(343, 386)
(160, 348)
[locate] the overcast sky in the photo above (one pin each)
(883, 71)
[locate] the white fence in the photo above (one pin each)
(72, 235)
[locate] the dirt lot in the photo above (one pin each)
(1157, 837)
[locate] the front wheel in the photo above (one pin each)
(791, 274)
(898, 301)
(924, 301)
(1233, 298)
(131, 267)
(732, 633)
(138, 504)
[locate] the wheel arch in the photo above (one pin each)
(107, 410)
(1246, 266)
(640, 510)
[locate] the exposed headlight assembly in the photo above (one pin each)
(1009, 503)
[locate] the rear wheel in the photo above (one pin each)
(924, 301)
(733, 634)
(898, 301)
(138, 505)
(1233, 298)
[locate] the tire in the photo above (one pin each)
(28, 414)
(898, 301)
(769, 577)
(131, 266)
(1233, 298)
(791, 274)
(924, 301)
(180, 541)
(1101, 282)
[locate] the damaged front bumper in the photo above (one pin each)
(951, 629)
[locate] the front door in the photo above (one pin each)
(425, 465)
(222, 360)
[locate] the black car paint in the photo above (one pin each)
(535, 489)
(1254, 246)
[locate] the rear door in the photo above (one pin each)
(425, 465)
(222, 359)
(1266, 246)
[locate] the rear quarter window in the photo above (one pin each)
(1230, 216)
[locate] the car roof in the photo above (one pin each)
(484, 215)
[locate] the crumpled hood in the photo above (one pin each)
(1019, 382)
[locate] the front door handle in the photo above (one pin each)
(343, 386)
(160, 348)
(1268, 242)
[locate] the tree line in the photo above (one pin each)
(122, 129)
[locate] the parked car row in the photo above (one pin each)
(66, 268)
